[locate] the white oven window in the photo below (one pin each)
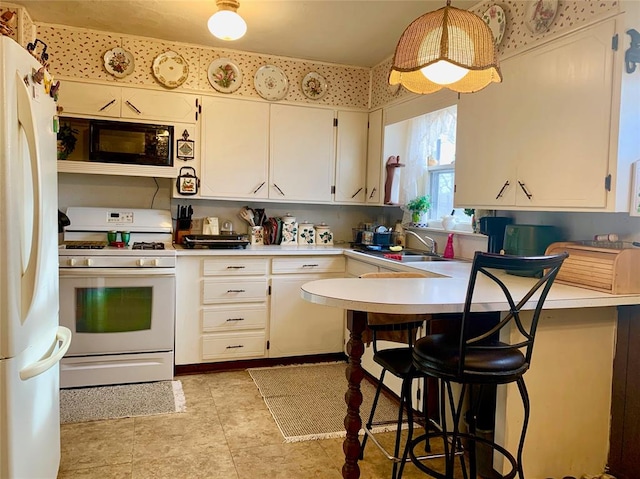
(113, 309)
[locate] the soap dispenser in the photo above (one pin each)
(448, 250)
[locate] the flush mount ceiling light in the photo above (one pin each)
(226, 24)
(448, 48)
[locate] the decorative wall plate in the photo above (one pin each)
(118, 62)
(497, 21)
(314, 86)
(271, 82)
(170, 69)
(540, 14)
(224, 75)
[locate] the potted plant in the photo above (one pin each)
(418, 207)
(66, 141)
(472, 212)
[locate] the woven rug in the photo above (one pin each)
(127, 400)
(307, 401)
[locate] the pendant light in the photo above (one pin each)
(226, 24)
(447, 48)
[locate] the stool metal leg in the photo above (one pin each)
(373, 411)
(527, 408)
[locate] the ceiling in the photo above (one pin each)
(360, 33)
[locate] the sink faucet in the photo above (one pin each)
(432, 247)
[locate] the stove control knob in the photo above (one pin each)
(89, 262)
(140, 262)
(71, 262)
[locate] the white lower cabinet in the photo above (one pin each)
(298, 327)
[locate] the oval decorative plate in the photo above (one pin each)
(495, 18)
(540, 14)
(224, 75)
(119, 62)
(271, 82)
(170, 69)
(314, 86)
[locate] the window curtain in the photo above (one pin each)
(426, 134)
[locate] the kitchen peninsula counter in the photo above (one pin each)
(570, 379)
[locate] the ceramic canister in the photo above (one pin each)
(289, 230)
(306, 233)
(324, 236)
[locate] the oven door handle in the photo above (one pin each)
(63, 336)
(116, 272)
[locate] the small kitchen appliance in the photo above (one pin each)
(529, 240)
(493, 227)
(117, 300)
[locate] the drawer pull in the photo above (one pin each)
(107, 105)
(235, 291)
(235, 347)
(132, 106)
(310, 265)
(235, 319)
(235, 267)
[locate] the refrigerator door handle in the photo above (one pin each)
(63, 335)
(29, 258)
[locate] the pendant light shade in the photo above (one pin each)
(448, 48)
(226, 24)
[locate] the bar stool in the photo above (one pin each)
(399, 329)
(476, 357)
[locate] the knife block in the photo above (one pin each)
(607, 269)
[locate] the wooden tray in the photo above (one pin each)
(611, 270)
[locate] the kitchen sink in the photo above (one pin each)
(411, 258)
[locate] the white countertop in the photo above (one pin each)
(269, 250)
(444, 294)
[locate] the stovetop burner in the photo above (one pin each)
(144, 245)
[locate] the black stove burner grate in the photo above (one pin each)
(144, 245)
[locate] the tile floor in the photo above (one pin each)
(226, 433)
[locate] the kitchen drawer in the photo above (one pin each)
(237, 291)
(308, 264)
(231, 318)
(228, 266)
(231, 346)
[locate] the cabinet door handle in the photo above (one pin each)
(310, 265)
(373, 192)
(132, 106)
(506, 183)
(235, 347)
(235, 267)
(354, 195)
(107, 105)
(235, 319)
(529, 195)
(278, 188)
(258, 188)
(235, 291)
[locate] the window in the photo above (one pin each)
(431, 154)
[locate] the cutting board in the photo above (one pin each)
(609, 269)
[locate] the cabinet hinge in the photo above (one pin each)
(335, 122)
(614, 43)
(607, 182)
(269, 290)
(268, 344)
(333, 190)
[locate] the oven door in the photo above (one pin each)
(114, 311)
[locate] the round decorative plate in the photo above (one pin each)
(118, 62)
(314, 86)
(271, 83)
(224, 75)
(540, 14)
(495, 18)
(170, 69)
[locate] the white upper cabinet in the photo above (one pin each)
(351, 158)
(93, 100)
(545, 138)
(235, 148)
(374, 158)
(301, 153)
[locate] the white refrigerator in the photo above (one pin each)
(31, 341)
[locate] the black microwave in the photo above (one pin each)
(130, 143)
